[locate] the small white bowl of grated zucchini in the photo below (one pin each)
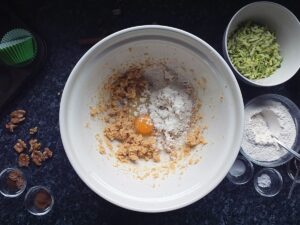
(262, 44)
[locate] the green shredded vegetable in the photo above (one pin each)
(253, 51)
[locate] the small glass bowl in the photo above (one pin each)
(268, 187)
(8, 187)
(241, 171)
(295, 113)
(39, 195)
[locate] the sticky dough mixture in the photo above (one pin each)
(150, 111)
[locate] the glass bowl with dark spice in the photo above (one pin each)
(39, 200)
(12, 182)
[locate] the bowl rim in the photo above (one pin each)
(290, 105)
(110, 196)
(225, 37)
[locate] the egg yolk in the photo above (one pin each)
(143, 125)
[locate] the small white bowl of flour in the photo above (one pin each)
(267, 116)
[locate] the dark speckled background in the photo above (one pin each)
(62, 23)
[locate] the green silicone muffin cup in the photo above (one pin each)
(18, 47)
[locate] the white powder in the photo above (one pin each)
(258, 131)
(170, 109)
(258, 142)
(238, 168)
(169, 104)
(264, 181)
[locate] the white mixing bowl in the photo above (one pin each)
(222, 112)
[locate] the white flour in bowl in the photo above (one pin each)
(169, 104)
(170, 109)
(258, 142)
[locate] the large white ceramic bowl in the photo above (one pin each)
(222, 112)
(287, 30)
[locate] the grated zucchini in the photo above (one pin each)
(254, 51)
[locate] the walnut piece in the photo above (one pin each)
(33, 130)
(17, 120)
(10, 126)
(19, 113)
(23, 160)
(37, 157)
(34, 145)
(16, 117)
(47, 153)
(20, 146)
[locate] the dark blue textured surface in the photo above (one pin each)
(62, 23)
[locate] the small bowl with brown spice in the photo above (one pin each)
(39, 200)
(12, 182)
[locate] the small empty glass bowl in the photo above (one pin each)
(12, 182)
(241, 171)
(268, 182)
(39, 200)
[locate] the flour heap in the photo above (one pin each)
(170, 107)
(258, 141)
(170, 110)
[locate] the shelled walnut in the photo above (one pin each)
(23, 160)
(16, 117)
(20, 146)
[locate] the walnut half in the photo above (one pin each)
(47, 153)
(37, 158)
(33, 130)
(16, 117)
(23, 160)
(20, 146)
(10, 127)
(34, 145)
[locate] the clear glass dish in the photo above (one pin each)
(39, 200)
(241, 171)
(295, 113)
(268, 187)
(10, 186)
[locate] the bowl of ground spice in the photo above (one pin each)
(12, 182)
(39, 200)
(151, 118)
(261, 44)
